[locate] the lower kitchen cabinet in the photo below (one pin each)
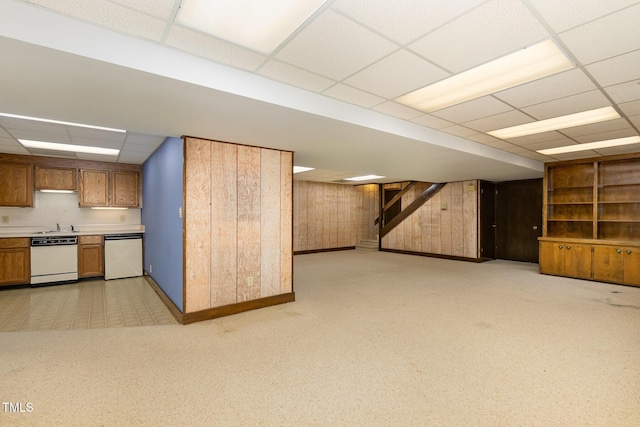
(617, 264)
(566, 259)
(90, 256)
(15, 261)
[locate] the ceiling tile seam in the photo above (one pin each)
(140, 11)
(170, 21)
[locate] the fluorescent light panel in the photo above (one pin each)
(68, 147)
(56, 191)
(592, 145)
(364, 178)
(257, 24)
(16, 116)
(532, 63)
(298, 169)
(556, 123)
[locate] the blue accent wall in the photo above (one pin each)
(162, 195)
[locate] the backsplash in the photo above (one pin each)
(61, 208)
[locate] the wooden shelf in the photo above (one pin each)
(570, 220)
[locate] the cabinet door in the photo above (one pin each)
(608, 264)
(15, 261)
(94, 188)
(125, 189)
(552, 258)
(577, 261)
(17, 185)
(47, 178)
(632, 266)
(90, 260)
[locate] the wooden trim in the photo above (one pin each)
(227, 310)
(236, 143)
(399, 195)
(432, 255)
(173, 309)
(59, 162)
(595, 242)
(414, 206)
(594, 159)
(315, 251)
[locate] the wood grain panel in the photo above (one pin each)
(224, 223)
(286, 202)
(471, 218)
(457, 219)
(445, 220)
(269, 222)
(436, 241)
(425, 211)
(318, 203)
(248, 223)
(197, 220)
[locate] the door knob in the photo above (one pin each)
(629, 251)
(619, 250)
(559, 246)
(568, 247)
(535, 227)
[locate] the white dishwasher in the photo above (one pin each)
(122, 255)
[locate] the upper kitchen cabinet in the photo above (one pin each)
(53, 178)
(104, 188)
(94, 188)
(125, 189)
(17, 185)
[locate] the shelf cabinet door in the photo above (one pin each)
(552, 258)
(578, 260)
(48, 178)
(15, 261)
(91, 257)
(17, 185)
(608, 264)
(94, 188)
(125, 187)
(632, 266)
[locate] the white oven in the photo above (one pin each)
(54, 259)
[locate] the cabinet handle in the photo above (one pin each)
(619, 250)
(629, 251)
(559, 246)
(568, 247)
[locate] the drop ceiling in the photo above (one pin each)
(327, 93)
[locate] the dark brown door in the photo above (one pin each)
(487, 220)
(518, 219)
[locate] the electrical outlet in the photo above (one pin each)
(121, 218)
(150, 268)
(5, 219)
(250, 281)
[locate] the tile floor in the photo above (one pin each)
(83, 305)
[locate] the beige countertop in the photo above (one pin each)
(80, 230)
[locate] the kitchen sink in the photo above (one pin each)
(55, 231)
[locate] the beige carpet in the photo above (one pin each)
(373, 339)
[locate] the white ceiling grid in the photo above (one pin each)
(369, 52)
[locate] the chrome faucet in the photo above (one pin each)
(57, 227)
(72, 229)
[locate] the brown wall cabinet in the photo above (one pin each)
(90, 256)
(125, 189)
(15, 261)
(103, 188)
(51, 178)
(596, 203)
(566, 259)
(17, 185)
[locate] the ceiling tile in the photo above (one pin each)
(10, 123)
(483, 138)
(96, 142)
(401, 72)
(623, 149)
(610, 125)
(97, 157)
(397, 110)
(459, 131)
(353, 95)
(404, 21)
(604, 136)
(212, 48)
(577, 155)
(546, 137)
(569, 105)
(630, 108)
(431, 121)
(565, 14)
(40, 136)
(472, 110)
(498, 121)
(616, 70)
(96, 134)
(294, 76)
(625, 92)
(14, 149)
(560, 85)
(471, 39)
(159, 8)
(335, 47)
(109, 15)
(635, 120)
(138, 148)
(550, 144)
(535, 156)
(143, 139)
(606, 37)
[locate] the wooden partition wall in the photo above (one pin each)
(333, 216)
(237, 227)
(447, 224)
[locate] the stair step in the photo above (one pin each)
(368, 244)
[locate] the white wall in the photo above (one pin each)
(52, 208)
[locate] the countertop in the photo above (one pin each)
(81, 230)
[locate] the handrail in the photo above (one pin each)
(419, 201)
(395, 199)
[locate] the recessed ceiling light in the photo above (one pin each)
(591, 145)
(556, 123)
(59, 122)
(364, 178)
(298, 169)
(69, 147)
(56, 191)
(257, 24)
(532, 63)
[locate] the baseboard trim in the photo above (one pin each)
(173, 309)
(227, 310)
(432, 255)
(315, 251)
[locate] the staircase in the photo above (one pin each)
(368, 245)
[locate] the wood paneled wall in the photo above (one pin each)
(237, 224)
(329, 216)
(447, 224)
